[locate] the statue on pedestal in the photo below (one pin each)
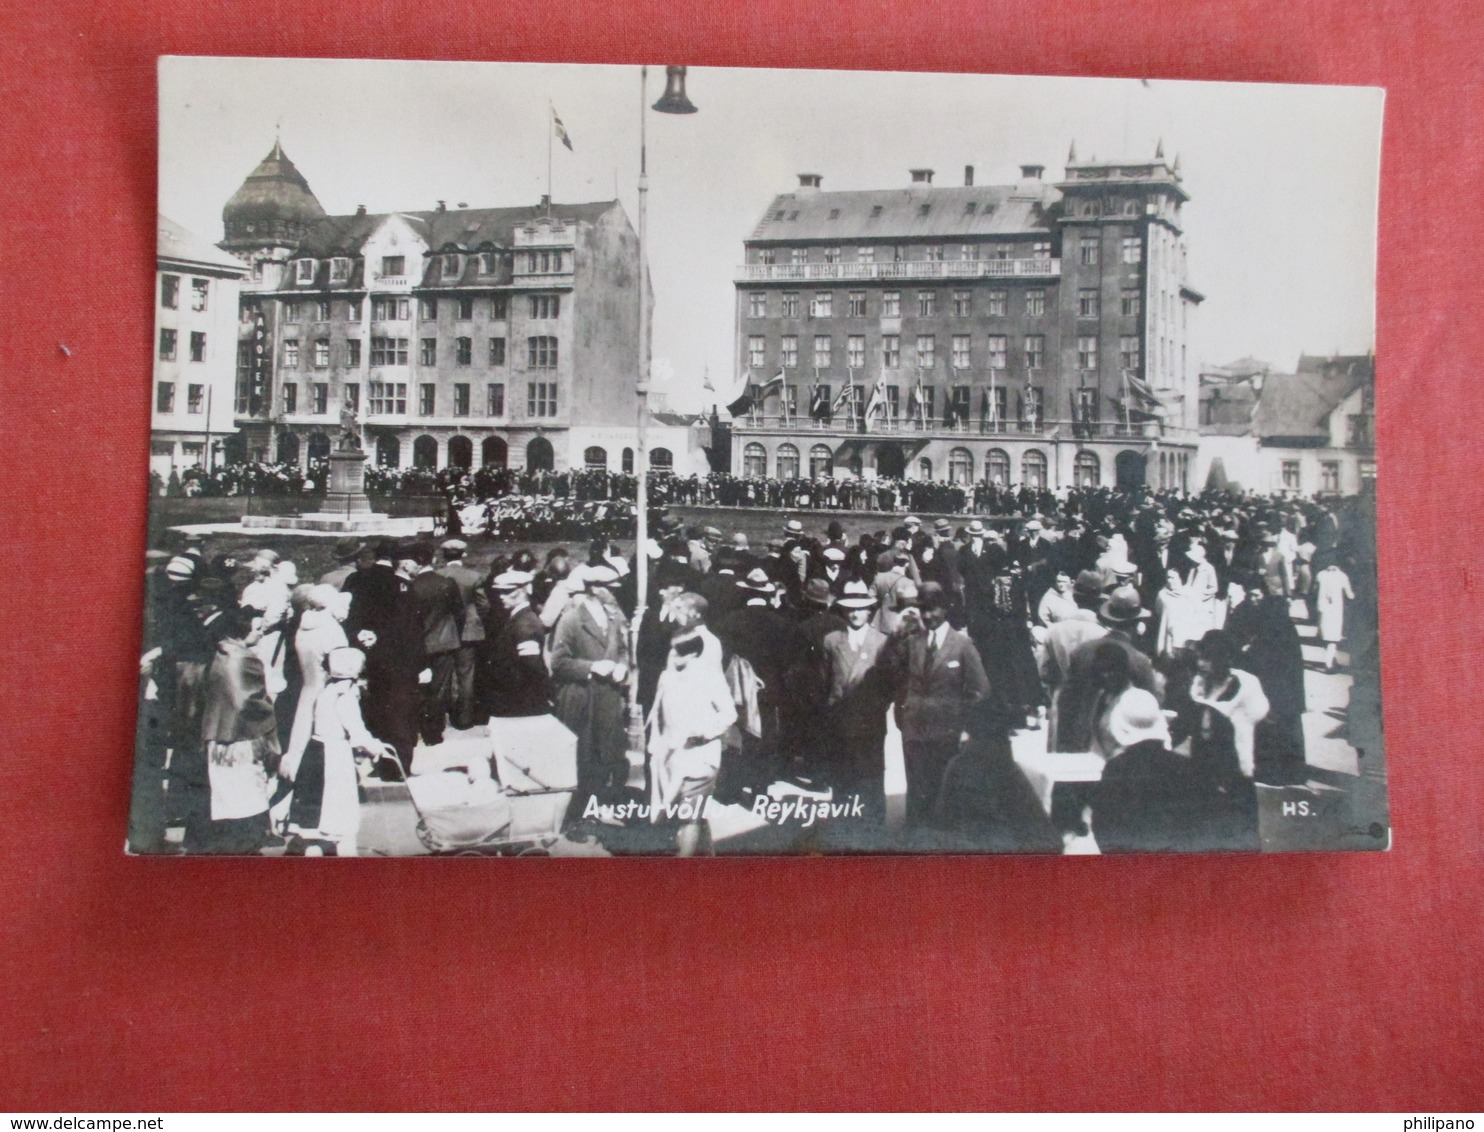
(350, 429)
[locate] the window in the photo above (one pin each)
(1129, 304)
(1085, 470)
(497, 351)
(390, 310)
(968, 251)
(1128, 351)
(304, 271)
(933, 253)
(1133, 249)
(798, 255)
(353, 354)
(196, 399)
(891, 351)
(500, 307)
(1033, 470)
(466, 309)
(1033, 406)
(822, 305)
(353, 310)
(541, 353)
(339, 269)
(546, 306)
(464, 351)
(427, 309)
(855, 351)
(891, 304)
(788, 351)
(1087, 251)
(495, 399)
(291, 312)
(757, 304)
(388, 398)
(1041, 249)
(957, 408)
(755, 461)
(321, 353)
(200, 290)
(960, 466)
(1087, 352)
(757, 351)
(868, 255)
(929, 395)
(453, 265)
(487, 264)
(893, 404)
(767, 255)
(927, 302)
(1290, 475)
(1358, 431)
(1002, 251)
(319, 398)
(1087, 408)
(388, 352)
(1087, 303)
(169, 291)
(857, 307)
(351, 394)
(999, 349)
(291, 353)
(996, 304)
(821, 351)
(961, 304)
(167, 345)
(393, 265)
(1035, 302)
(541, 399)
(790, 304)
(198, 346)
(461, 399)
(821, 462)
(427, 352)
(962, 352)
(997, 467)
(788, 462)
(626, 462)
(832, 255)
(1035, 351)
(1329, 476)
(165, 397)
(322, 310)
(595, 457)
(427, 399)
(290, 397)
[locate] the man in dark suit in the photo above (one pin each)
(518, 683)
(470, 583)
(857, 694)
(937, 561)
(439, 612)
(941, 679)
(382, 621)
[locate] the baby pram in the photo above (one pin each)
(518, 812)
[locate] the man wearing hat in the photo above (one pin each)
(382, 622)
(345, 551)
(1065, 636)
(516, 683)
(1082, 692)
(937, 561)
(806, 682)
(470, 583)
(439, 615)
(829, 566)
(857, 696)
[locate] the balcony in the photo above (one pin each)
(904, 269)
(842, 426)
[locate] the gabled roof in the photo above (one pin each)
(464, 229)
(1227, 408)
(1297, 405)
(180, 245)
(919, 212)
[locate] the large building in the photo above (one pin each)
(461, 337)
(1033, 333)
(196, 297)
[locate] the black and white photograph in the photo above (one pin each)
(589, 461)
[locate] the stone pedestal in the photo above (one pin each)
(346, 494)
(346, 507)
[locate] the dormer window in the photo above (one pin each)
(452, 265)
(393, 265)
(339, 269)
(487, 263)
(1131, 208)
(304, 271)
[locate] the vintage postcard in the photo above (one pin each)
(1007, 449)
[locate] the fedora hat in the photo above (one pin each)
(1122, 607)
(757, 582)
(347, 548)
(857, 595)
(1136, 718)
(1089, 583)
(817, 590)
(793, 527)
(942, 526)
(976, 528)
(511, 580)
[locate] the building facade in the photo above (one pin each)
(196, 301)
(459, 337)
(1033, 333)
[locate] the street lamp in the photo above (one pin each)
(673, 101)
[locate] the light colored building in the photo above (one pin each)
(1033, 333)
(196, 300)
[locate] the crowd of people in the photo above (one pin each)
(1154, 631)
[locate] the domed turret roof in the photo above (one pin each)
(275, 203)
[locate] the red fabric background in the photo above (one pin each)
(1310, 981)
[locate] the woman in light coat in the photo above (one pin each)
(1332, 589)
(693, 709)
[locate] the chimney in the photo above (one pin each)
(921, 176)
(545, 200)
(360, 210)
(1032, 172)
(968, 176)
(442, 206)
(809, 183)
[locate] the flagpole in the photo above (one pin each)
(550, 129)
(641, 454)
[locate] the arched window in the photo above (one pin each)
(755, 461)
(288, 448)
(1033, 470)
(997, 467)
(661, 459)
(628, 461)
(494, 452)
(925, 469)
(821, 462)
(960, 466)
(461, 453)
(788, 462)
(539, 456)
(388, 451)
(425, 452)
(596, 457)
(319, 446)
(1085, 470)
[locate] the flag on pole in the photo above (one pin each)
(561, 130)
(776, 379)
(845, 398)
(919, 401)
(706, 380)
(877, 401)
